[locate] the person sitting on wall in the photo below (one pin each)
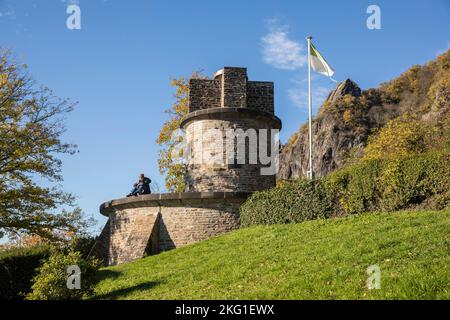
(141, 187)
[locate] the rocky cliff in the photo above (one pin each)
(349, 116)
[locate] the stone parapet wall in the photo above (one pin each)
(149, 224)
(230, 88)
(204, 94)
(260, 96)
(197, 220)
(234, 88)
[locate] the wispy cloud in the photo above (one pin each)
(282, 52)
(279, 50)
(8, 12)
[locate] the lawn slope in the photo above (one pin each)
(322, 259)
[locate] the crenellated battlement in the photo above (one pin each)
(230, 88)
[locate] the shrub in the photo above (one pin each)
(354, 188)
(407, 82)
(17, 269)
(347, 117)
(51, 281)
(294, 201)
(421, 181)
(391, 184)
(83, 244)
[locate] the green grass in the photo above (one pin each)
(322, 259)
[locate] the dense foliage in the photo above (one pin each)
(17, 270)
(407, 135)
(392, 184)
(400, 157)
(31, 125)
(170, 157)
(294, 201)
(20, 261)
(420, 180)
(347, 121)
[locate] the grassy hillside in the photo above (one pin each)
(322, 259)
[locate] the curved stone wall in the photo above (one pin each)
(149, 224)
(208, 133)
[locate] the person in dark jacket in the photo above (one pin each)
(141, 187)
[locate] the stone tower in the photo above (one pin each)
(230, 123)
(227, 106)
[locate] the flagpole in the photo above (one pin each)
(310, 171)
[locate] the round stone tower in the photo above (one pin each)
(232, 134)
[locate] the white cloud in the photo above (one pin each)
(280, 51)
(284, 53)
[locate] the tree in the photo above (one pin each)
(400, 137)
(168, 160)
(31, 125)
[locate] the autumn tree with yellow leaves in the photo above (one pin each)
(31, 125)
(169, 156)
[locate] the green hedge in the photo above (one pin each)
(19, 266)
(376, 185)
(294, 201)
(392, 184)
(17, 269)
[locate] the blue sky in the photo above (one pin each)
(118, 65)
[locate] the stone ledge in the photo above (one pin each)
(231, 113)
(169, 199)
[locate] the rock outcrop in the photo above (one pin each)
(349, 116)
(331, 140)
(345, 87)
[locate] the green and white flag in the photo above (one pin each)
(319, 64)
